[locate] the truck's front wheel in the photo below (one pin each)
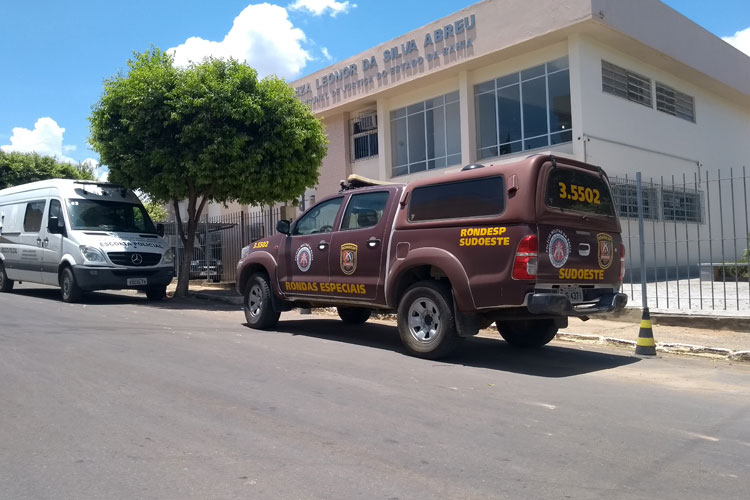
(259, 311)
(426, 322)
(528, 334)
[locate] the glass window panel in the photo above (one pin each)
(534, 107)
(486, 116)
(440, 163)
(532, 72)
(319, 219)
(364, 210)
(504, 81)
(453, 128)
(484, 87)
(431, 103)
(32, 219)
(415, 108)
(453, 159)
(559, 102)
(509, 114)
(398, 113)
(417, 167)
(452, 97)
(403, 170)
(454, 200)
(435, 132)
(557, 64)
(487, 153)
(513, 147)
(398, 142)
(537, 142)
(417, 141)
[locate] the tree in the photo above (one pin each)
(156, 211)
(208, 132)
(21, 168)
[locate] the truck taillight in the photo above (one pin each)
(524, 267)
(622, 262)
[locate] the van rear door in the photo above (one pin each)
(579, 232)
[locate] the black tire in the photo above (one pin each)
(426, 322)
(528, 334)
(6, 285)
(156, 293)
(69, 289)
(257, 303)
(354, 315)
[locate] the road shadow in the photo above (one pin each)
(553, 360)
(119, 297)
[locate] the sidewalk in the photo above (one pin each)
(690, 334)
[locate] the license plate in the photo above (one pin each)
(573, 293)
(137, 281)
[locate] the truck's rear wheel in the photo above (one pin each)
(528, 334)
(426, 322)
(353, 315)
(69, 289)
(258, 305)
(6, 285)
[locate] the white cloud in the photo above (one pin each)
(46, 139)
(319, 7)
(741, 40)
(262, 36)
(326, 54)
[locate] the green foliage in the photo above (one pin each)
(21, 168)
(156, 211)
(210, 130)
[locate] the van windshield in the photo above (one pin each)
(98, 215)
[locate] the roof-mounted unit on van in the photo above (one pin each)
(103, 185)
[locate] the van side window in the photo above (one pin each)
(364, 210)
(458, 200)
(32, 219)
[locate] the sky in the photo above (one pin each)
(57, 54)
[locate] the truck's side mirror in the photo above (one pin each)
(55, 225)
(160, 229)
(283, 226)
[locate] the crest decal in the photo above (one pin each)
(348, 258)
(558, 248)
(606, 246)
(304, 257)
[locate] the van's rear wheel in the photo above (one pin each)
(426, 322)
(69, 289)
(259, 311)
(354, 315)
(6, 285)
(529, 334)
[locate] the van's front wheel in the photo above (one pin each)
(426, 322)
(529, 334)
(6, 285)
(156, 292)
(69, 289)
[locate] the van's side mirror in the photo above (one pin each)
(55, 225)
(283, 226)
(160, 229)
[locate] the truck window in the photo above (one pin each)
(570, 189)
(364, 210)
(319, 219)
(457, 200)
(32, 219)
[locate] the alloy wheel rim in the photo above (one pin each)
(424, 320)
(254, 301)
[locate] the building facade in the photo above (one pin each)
(630, 86)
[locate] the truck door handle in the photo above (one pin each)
(322, 245)
(373, 242)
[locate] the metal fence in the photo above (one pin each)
(219, 241)
(686, 240)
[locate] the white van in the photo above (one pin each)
(81, 236)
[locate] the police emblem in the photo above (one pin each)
(348, 258)
(558, 248)
(606, 247)
(304, 257)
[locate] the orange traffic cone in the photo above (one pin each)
(645, 345)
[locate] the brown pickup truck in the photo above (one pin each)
(523, 244)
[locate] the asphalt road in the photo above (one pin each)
(123, 399)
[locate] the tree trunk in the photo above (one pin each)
(188, 239)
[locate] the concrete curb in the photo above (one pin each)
(683, 318)
(670, 348)
(227, 299)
